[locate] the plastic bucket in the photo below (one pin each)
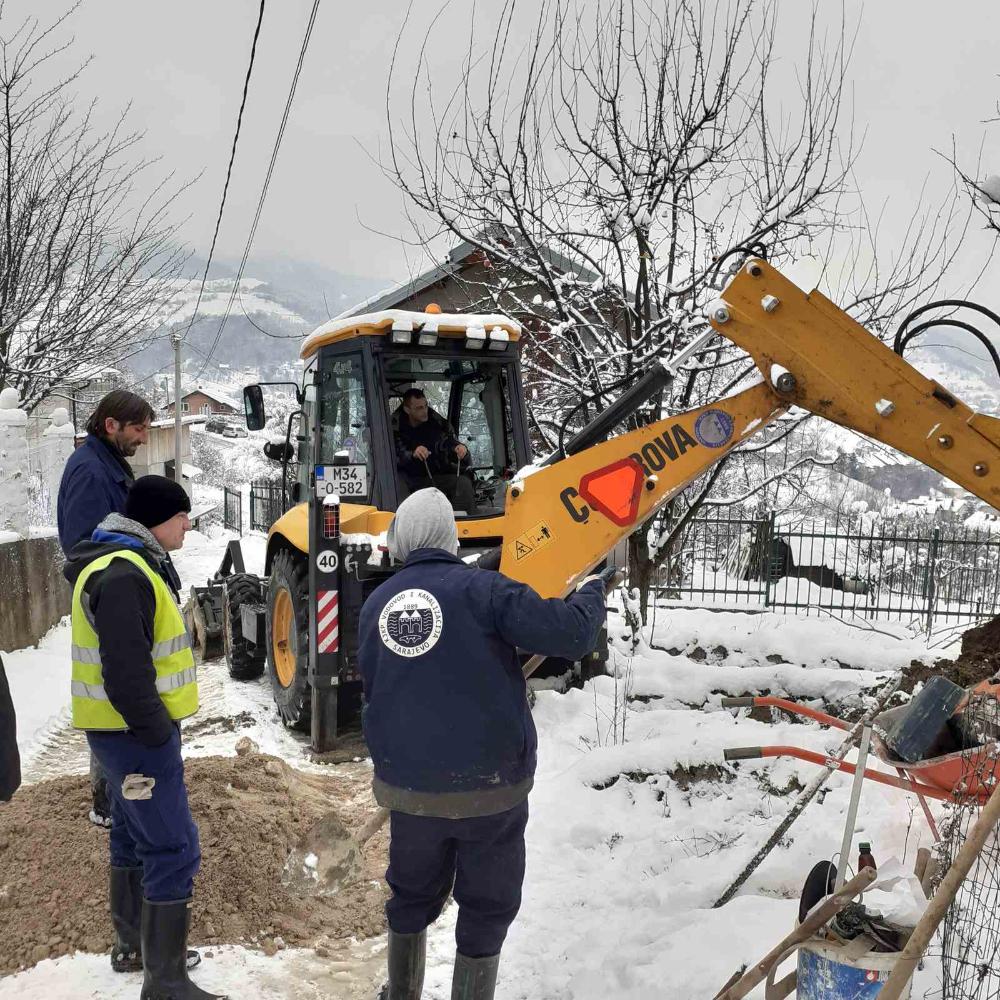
(826, 973)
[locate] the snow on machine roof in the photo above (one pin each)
(477, 328)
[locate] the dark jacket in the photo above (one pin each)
(446, 712)
(123, 605)
(94, 484)
(10, 760)
(435, 434)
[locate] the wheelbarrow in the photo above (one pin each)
(947, 777)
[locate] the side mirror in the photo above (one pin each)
(253, 406)
(279, 451)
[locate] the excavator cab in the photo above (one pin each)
(361, 384)
(344, 479)
(352, 398)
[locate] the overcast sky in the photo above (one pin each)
(921, 73)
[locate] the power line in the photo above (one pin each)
(229, 169)
(267, 181)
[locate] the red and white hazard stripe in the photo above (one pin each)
(327, 631)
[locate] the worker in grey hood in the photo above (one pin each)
(425, 520)
(451, 737)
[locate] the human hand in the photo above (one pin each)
(420, 453)
(461, 451)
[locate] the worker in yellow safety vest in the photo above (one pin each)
(134, 680)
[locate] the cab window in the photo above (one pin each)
(343, 412)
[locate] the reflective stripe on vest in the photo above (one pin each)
(171, 653)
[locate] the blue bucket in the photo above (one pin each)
(826, 973)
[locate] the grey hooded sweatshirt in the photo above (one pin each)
(424, 520)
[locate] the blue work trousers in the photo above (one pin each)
(157, 834)
(482, 857)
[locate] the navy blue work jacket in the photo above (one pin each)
(446, 712)
(94, 484)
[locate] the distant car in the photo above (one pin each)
(215, 426)
(234, 431)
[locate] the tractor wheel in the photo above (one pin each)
(288, 638)
(244, 659)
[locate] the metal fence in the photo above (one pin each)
(267, 504)
(232, 509)
(916, 572)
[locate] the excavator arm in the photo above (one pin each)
(564, 518)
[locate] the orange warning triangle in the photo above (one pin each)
(615, 490)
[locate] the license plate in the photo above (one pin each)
(344, 480)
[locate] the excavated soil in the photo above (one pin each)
(252, 810)
(978, 660)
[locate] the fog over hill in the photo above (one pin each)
(278, 302)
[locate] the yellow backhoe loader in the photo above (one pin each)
(551, 523)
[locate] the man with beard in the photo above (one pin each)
(97, 476)
(94, 484)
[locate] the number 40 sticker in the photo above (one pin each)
(326, 561)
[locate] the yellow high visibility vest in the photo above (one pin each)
(173, 658)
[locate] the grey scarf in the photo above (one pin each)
(126, 526)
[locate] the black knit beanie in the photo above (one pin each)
(155, 499)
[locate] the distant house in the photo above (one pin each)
(156, 456)
(205, 399)
(459, 281)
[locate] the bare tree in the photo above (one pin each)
(615, 171)
(85, 258)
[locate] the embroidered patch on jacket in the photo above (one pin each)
(410, 624)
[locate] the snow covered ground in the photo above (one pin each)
(637, 824)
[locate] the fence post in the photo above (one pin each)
(931, 588)
(768, 556)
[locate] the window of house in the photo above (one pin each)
(185, 407)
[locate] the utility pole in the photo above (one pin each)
(176, 340)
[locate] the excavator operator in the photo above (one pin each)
(428, 452)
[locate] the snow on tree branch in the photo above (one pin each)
(85, 257)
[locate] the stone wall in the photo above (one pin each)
(35, 595)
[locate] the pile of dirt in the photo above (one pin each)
(251, 810)
(978, 660)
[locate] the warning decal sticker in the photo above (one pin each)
(532, 540)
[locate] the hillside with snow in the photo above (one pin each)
(276, 303)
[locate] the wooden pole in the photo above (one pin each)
(819, 916)
(943, 898)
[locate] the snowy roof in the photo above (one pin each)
(219, 394)
(195, 418)
(380, 323)
(388, 298)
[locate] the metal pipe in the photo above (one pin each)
(769, 701)
(852, 808)
(825, 761)
(178, 420)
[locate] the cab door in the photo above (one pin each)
(346, 451)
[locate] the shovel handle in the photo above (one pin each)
(374, 824)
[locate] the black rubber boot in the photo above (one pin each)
(407, 956)
(164, 953)
(474, 978)
(126, 916)
(125, 894)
